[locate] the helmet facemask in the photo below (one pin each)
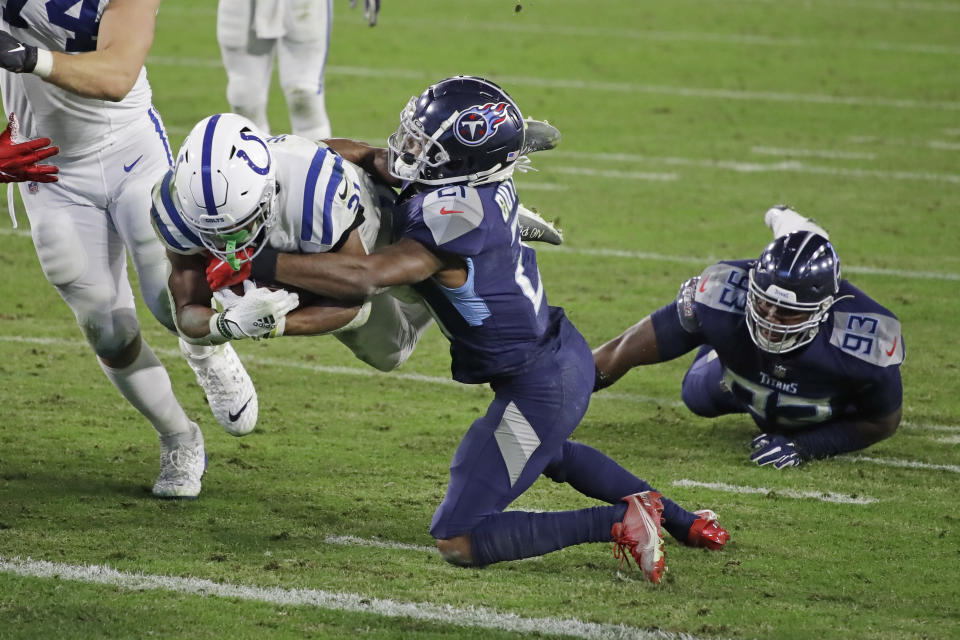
(411, 149)
(804, 318)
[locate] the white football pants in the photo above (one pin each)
(390, 334)
(83, 226)
(251, 32)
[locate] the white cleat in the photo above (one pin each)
(230, 392)
(182, 463)
(534, 228)
(783, 220)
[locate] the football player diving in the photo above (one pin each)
(812, 359)
(234, 192)
(457, 224)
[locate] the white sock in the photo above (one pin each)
(146, 385)
(784, 221)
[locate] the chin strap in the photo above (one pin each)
(231, 247)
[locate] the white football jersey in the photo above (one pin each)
(78, 125)
(321, 199)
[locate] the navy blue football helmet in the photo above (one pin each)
(462, 129)
(792, 287)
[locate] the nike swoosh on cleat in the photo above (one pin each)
(17, 50)
(129, 167)
(236, 416)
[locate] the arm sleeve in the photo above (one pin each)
(673, 340)
(883, 397)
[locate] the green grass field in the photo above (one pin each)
(683, 122)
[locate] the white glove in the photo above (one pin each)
(258, 313)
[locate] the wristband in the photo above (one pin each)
(263, 268)
(44, 63)
(218, 326)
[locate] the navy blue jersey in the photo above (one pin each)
(850, 369)
(498, 322)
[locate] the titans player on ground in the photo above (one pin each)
(812, 359)
(460, 247)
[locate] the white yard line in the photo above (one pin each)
(738, 166)
(907, 424)
(614, 173)
(823, 496)
(813, 153)
(610, 86)
(701, 261)
(607, 33)
(906, 464)
(368, 372)
(354, 541)
(467, 617)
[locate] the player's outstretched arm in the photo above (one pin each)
(352, 277)
(326, 315)
(124, 38)
(634, 347)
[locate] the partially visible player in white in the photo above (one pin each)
(234, 193)
(251, 33)
(78, 77)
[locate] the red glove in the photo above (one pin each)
(221, 275)
(18, 162)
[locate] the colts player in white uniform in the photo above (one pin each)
(251, 33)
(811, 359)
(235, 192)
(78, 76)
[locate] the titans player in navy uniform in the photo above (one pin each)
(812, 359)
(459, 246)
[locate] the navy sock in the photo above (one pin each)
(512, 535)
(598, 476)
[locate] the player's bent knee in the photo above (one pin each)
(111, 335)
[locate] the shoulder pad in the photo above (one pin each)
(872, 337)
(451, 212)
(168, 222)
(723, 287)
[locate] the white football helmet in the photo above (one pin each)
(225, 184)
